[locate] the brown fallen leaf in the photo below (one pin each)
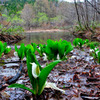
(76, 78)
(5, 94)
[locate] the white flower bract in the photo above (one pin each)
(45, 57)
(15, 54)
(8, 46)
(35, 70)
(58, 57)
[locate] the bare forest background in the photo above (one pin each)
(48, 14)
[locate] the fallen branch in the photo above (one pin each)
(14, 79)
(12, 62)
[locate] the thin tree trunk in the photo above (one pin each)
(78, 16)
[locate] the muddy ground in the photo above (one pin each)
(79, 76)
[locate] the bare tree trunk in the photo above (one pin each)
(82, 13)
(86, 14)
(78, 16)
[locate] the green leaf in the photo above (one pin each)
(20, 51)
(28, 47)
(7, 50)
(75, 42)
(16, 49)
(99, 57)
(68, 49)
(5, 45)
(1, 48)
(34, 46)
(61, 49)
(92, 46)
(44, 74)
(20, 86)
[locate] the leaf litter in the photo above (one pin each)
(79, 76)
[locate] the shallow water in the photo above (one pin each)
(43, 37)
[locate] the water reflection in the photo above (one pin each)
(43, 37)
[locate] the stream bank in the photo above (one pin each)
(88, 34)
(11, 39)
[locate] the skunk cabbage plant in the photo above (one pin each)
(95, 52)
(86, 41)
(40, 50)
(20, 51)
(51, 49)
(4, 48)
(64, 48)
(79, 42)
(75, 42)
(37, 75)
(57, 48)
(1, 48)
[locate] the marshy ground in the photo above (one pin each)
(79, 76)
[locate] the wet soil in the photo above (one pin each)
(79, 76)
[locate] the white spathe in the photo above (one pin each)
(8, 46)
(15, 54)
(35, 70)
(58, 57)
(91, 50)
(45, 57)
(97, 52)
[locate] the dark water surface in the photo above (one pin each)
(43, 37)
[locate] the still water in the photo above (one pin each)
(43, 37)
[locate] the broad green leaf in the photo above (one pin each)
(68, 49)
(20, 51)
(98, 57)
(16, 49)
(34, 46)
(5, 45)
(29, 46)
(92, 46)
(1, 48)
(75, 42)
(20, 86)
(7, 50)
(44, 74)
(61, 49)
